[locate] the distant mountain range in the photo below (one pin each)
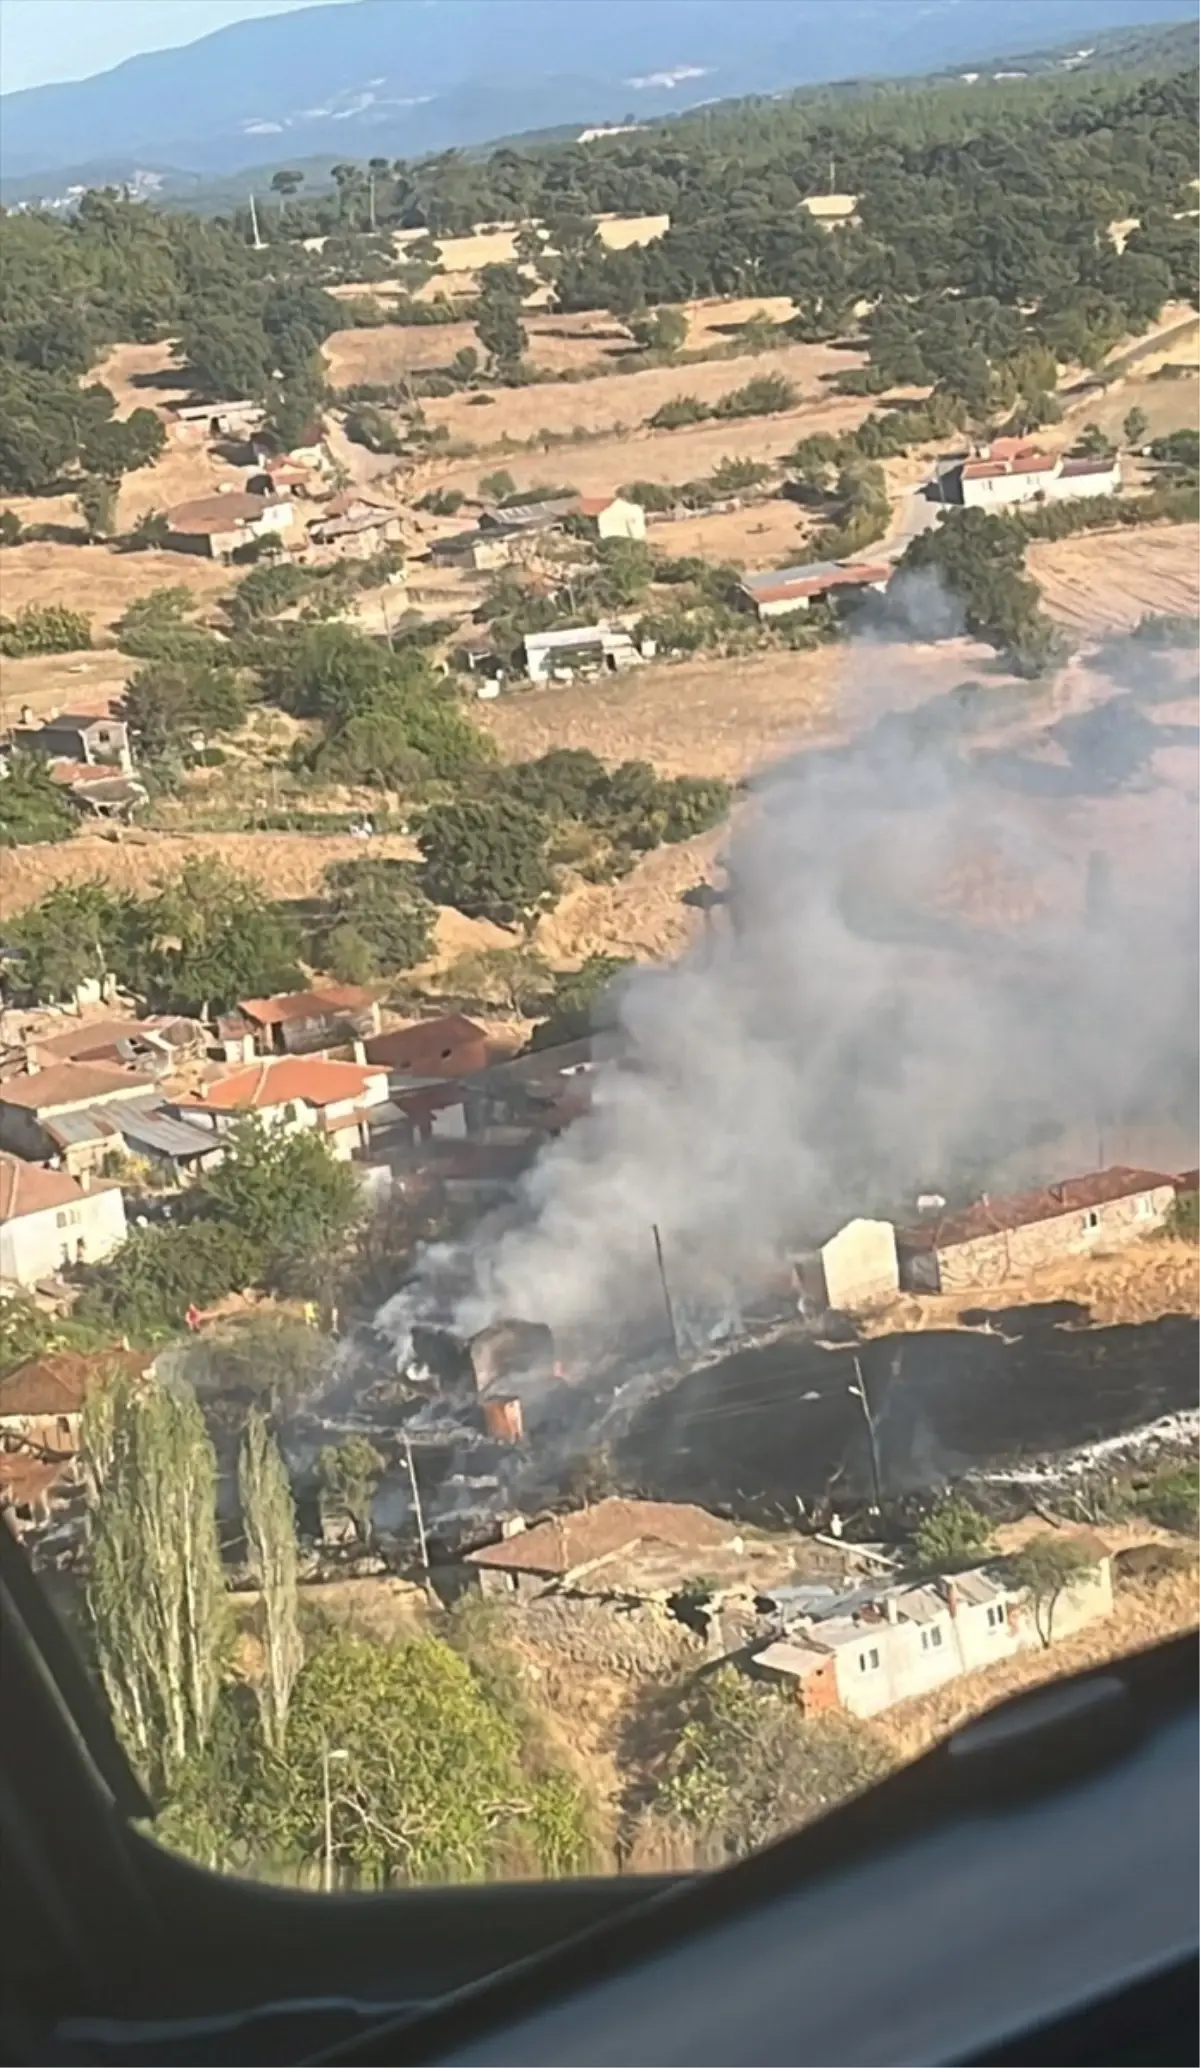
(399, 78)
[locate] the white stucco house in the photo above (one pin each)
(49, 1219)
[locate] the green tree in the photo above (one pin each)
(155, 1590)
(289, 1197)
(515, 978)
(44, 628)
(269, 1520)
(382, 904)
(1135, 426)
(489, 860)
(32, 808)
(209, 937)
(78, 931)
(1048, 1566)
(952, 1531)
(581, 1000)
(146, 1287)
(744, 1767)
(498, 324)
(12, 531)
(660, 330)
(496, 486)
(170, 701)
(349, 1473)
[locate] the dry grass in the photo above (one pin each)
(91, 682)
(287, 865)
(102, 583)
(759, 536)
(1140, 1283)
(630, 399)
(142, 377)
(1147, 1612)
(1102, 579)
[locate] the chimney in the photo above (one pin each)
(952, 1597)
(512, 1526)
(85, 1180)
(32, 1065)
(27, 714)
(360, 1049)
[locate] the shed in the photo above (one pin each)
(781, 591)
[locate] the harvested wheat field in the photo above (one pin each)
(1112, 579)
(642, 916)
(598, 466)
(688, 717)
(287, 865)
(101, 583)
(631, 399)
(1148, 1611)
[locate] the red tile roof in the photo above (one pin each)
(337, 1000)
(445, 1047)
(312, 1079)
(29, 1188)
(1026, 1209)
(60, 1382)
(71, 1084)
(26, 1480)
(594, 505)
(92, 1042)
(565, 1542)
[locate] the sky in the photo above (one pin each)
(49, 40)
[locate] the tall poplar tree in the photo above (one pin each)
(269, 1518)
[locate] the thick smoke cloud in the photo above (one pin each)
(909, 987)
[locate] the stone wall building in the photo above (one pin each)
(999, 1239)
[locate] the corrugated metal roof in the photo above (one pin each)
(157, 1128)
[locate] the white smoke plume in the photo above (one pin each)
(905, 990)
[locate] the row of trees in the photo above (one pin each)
(433, 1779)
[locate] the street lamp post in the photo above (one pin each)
(327, 1759)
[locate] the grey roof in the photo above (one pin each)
(85, 1124)
(543, 1069)
(155, 1127)
(516, 515)
(808, 571)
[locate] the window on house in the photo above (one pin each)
(868, 1661)
(64, 1425)
(995, 1617)
(1091, 1220)
(931, 1639)
(60, 1220)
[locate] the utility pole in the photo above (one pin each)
(416, 1495)
(860, 1393)
(258, 243)
(327, 1805)
(666, 1290)
(371, 201)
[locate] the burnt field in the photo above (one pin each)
(778, 1421)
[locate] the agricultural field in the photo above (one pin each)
(1112, 579)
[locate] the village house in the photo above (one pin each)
(855, 1269)
(237, 419)
(478, 551)
(30, 1488)
(611, 516)
(42, 1402)
(297, 1022)
(449, 1046)
(295, 1092)
(82, 740)
(48, 1220)
(157, 1045)
(218, 526)
(280, 477)
(1011, 471)
(782, 591)
(998, 1239)
(886, 1642)
(577, 1552)
(354, 526)
(545, 515)
(544, 1089)
(36, 1109)
(584, 649)
(104, 792)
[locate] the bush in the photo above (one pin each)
(767, 395)
(952, 1532)
(147, 1286)
(11, 529)
(673, 415)
(33, 809)
(44, 628)
(1172, 1498)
